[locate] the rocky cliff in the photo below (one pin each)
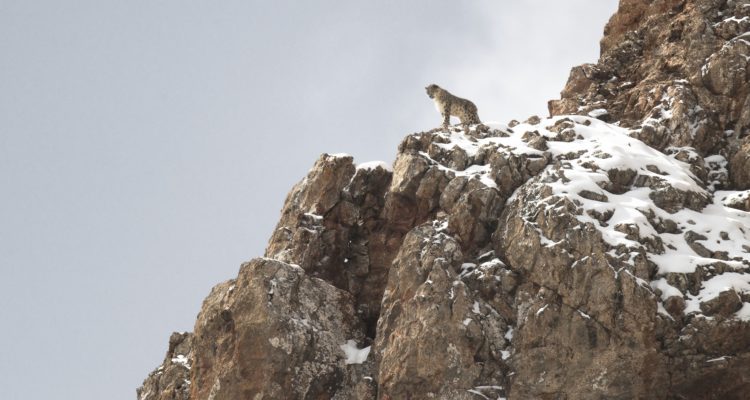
(599, 253)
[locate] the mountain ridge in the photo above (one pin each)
(598, 253)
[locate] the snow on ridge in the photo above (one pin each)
(339, 155)
(371, 165)
(474, 171)
(585, 161)
(721, 231)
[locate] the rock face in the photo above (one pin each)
(676, 72)
(274, 332)
(435, 328)
(171, 380)
(600, 253)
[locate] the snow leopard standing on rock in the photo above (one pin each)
(449, 105)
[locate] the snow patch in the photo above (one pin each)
(371, 165)
(181, 360)
(353, 354)
(627, 221)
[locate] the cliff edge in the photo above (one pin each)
(599, 253)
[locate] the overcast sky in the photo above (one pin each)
(146, 147)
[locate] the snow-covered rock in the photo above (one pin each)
(600, 253)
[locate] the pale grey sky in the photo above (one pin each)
(146, 147)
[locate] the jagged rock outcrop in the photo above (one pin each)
(604, 253)
(274, 332)
(436, 337)
(676, 72)
(171, 380)
(331, 226)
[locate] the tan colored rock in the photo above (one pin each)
(725, 71)
(739, 167)
(673, 70)
(171, 380)
(274, 332)
(493, 264)
(577, 308)
(675, 305)
(710, 360)
(725, 304)
(331, 226)
(472, 216)
(435, 338)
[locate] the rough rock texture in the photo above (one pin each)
(601, 254)
(740, 165)
(171, 381)
(273, 332)
(436, 337)
(331, 226)
(583, 317)
(676, 72)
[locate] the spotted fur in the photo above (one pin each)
(449, 105)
